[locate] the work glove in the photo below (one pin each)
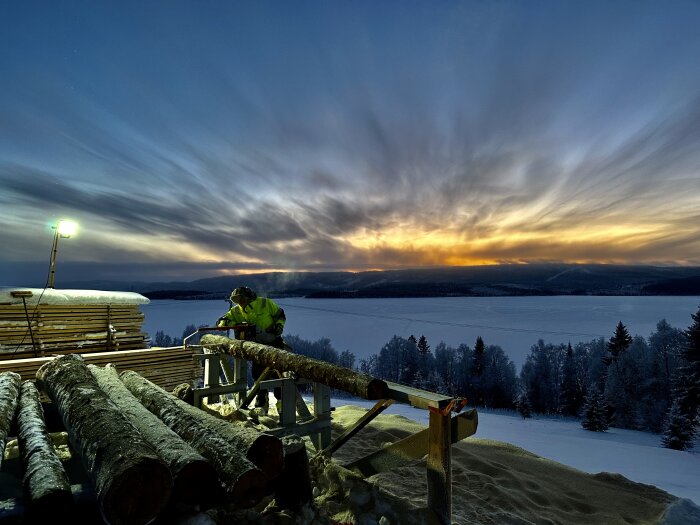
(274, 330)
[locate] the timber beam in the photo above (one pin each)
(413, 447)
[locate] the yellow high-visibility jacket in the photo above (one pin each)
(264, 313)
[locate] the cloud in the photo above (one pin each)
(468, 133)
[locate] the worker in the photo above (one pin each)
(268, 319)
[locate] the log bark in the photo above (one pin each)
(243, 482)
(293, 487)
(355, 383)
(46, 485)
(131, 482)
(195, 480)
(9, 394)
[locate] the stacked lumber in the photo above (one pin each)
(69, 328)
(166, 367)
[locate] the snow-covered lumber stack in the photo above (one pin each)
(35, 322)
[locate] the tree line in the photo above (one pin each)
(650, 384)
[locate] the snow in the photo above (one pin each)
(637, 456)
(71, 297)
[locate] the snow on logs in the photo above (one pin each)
(131, 482)
(195, 480)
(46, 485)
(245, 459)
(334, 376)
(9, 393)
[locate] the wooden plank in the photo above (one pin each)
(416, 397)
(412, 447)
(439, 473)
(167, 367)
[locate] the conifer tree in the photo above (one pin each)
(619, 342)
(479, 357)
(571, 391)
(679, 431)
(524, 407)
(423, 346)
(689, 372)
(594, 412)
(683, 418)
(477, 393)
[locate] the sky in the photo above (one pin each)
(195, 139)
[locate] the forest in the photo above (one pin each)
(649, 384)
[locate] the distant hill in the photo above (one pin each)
(503, 280)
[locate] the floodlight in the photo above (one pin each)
(64, 229)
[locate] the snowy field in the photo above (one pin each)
(636, 455)
(363, 326)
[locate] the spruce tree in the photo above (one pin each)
(423, 346)
(679, 430)
(479, 357)
(594, 412)
(571, 394)
(619, 342)
(524, 407)
(689, 372)
(477, 387)
(683, 418)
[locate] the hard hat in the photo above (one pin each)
(242, 292)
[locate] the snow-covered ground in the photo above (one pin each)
(636, 455)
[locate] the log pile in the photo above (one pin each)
(195, 480)
(61, 329)
(47, 489)
(166, 367)
(9, 394)
(245, 460)
(132, 484)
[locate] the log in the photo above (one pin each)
(194, 478)
(355, 383)
(47, 489)
(243, 482)
(293, 487)
(131, 482)
(9, 394)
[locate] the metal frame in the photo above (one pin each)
(436, 441)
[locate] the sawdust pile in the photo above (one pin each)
(493, 483)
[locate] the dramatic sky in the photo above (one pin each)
(192, 139)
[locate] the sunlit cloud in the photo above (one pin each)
(238, 141)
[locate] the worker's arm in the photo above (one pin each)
(230, 318)
(278, 319)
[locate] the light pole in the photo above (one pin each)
(63, 229)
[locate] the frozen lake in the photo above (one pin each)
(514, 323)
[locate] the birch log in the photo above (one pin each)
(195, 480)
(9, 394)
(46, 485)
(244, 483)
(131, 482)
(334, 376)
